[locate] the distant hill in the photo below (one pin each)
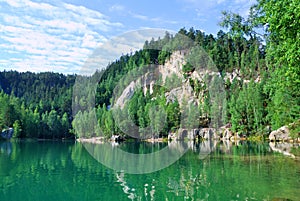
(48, 88)
(37, 105)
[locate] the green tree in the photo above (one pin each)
(65, 125)
(281, 19)
(173, 115)
(17, 129)
(54, 123)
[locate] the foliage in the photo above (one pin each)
(261, 71)
(281, 19)
(228, 50)
(39, 105)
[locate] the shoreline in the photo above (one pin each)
(233, 139)
(283, 147)
(93, 140)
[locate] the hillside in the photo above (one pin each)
(175, 83)
(245, 80)
(191, 80)
(37, 105)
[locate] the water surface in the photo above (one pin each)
(66, 171)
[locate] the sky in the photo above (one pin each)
(61, 35)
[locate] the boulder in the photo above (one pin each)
(7, 133)
(116, 138)
(281, 134)
(197, 133)
(225, 132)
(182, 133)
(208, 133)
(172, 137)
(193, 134)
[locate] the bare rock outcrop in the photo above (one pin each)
(225, 132)
(281, 134)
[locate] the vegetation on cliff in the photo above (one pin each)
(257, 59)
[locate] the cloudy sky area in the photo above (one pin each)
(60, 36)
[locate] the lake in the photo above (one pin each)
(31, 170)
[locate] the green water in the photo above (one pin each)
(66, 171)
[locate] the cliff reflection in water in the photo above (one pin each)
(205, 171)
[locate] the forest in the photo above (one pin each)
(263, 47)
(36, 105)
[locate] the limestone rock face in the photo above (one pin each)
(182, 133)
(208, 133)
(193, 134)
(225, 132)
(280, 134)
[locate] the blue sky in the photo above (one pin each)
(60, 35)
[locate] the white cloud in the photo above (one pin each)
(118, 46)
(116, 8)
(152, 19)
(138, 16)
(14, 3)
(49, 37)
(206, 7)
(243, 6)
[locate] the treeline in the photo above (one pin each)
(264, 94)
(153, 113)
(261, 52)
(36, 105)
